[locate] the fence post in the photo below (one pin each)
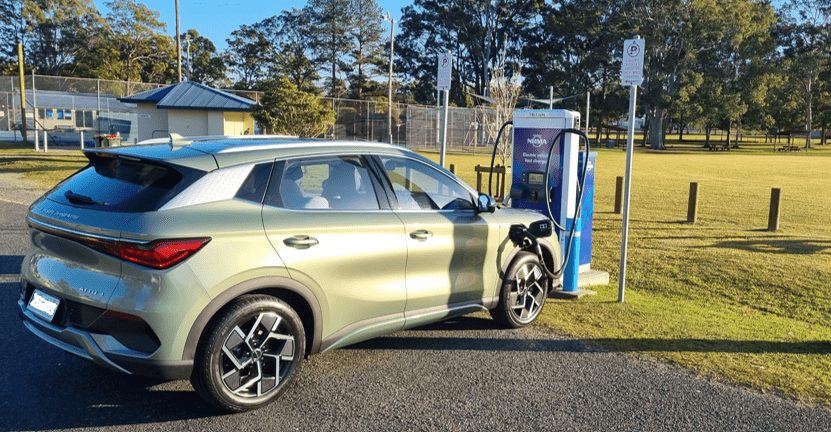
(692, 207)
(45, 143)
(773, 216)
(82, 140)
(618, 195)
(453, 168)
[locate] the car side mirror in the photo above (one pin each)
(486, 204)
(541, 228)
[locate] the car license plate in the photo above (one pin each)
(43, 305)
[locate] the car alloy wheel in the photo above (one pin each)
(523, 293)
(250, 355)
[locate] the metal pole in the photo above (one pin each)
(389, 95)
(22, 93)
(588, 105)
(35, 115)
(444, 127)
(624, 242)
(551, 97)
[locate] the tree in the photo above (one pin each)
(132, 47)
(291, 37)
(732, 70)
(11, 28)
(284, 109)
(368, 52)
(333, 21)
(476, 31)
(53, 32)
(245, 51)
(574, 50)
(804, 43)
(678, 34)
(504, 94)
(206, 65)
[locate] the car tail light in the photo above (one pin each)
(160, 254)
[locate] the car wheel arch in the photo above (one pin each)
(297, 295)
(550, 255)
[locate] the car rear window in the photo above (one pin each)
(123, 184)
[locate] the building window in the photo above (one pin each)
(60, 114)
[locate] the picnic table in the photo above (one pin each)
(789, 148)
(719, 146)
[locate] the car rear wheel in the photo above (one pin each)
(249, 354)
(523, 292)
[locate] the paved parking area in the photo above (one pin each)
(461, 375)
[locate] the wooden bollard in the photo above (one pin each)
(773, 216)
(692, 206)
(453, 168)
(619, 195)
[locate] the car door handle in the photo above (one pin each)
(301, 241)
(421, 235)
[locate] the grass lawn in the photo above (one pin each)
(45, 169)
(723, 296)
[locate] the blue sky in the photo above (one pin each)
(217, 19)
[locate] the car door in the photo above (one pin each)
(338, 236)
(451, 247)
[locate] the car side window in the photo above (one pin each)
(420, 187)
(253, 188)
(315, 183)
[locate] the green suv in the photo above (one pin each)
(229, 260)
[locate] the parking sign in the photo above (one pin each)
(445, 70)
(631, 71)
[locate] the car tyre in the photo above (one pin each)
(523, 293)
(250, 354)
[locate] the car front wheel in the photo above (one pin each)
(523, 292)
(249, 354)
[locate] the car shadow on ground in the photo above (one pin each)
(469, 333)
(46, 388)
(10, 264)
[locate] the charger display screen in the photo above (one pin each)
(534, 178)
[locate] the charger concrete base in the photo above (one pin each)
(587, 278)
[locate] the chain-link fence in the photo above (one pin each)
(67, 109)
(413, 126)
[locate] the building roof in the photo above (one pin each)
(188, 95)
(78, 101)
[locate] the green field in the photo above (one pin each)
(724, 296)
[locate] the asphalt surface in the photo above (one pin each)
(460, 375)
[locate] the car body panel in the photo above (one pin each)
(449, 266)
(358, 263)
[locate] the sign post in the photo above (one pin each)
(631, 74)
(443, 83)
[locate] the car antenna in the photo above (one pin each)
(178, 141)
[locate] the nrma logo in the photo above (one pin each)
(537, 140)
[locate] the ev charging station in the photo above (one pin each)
(534, 134)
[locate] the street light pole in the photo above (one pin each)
(188, 41)
(388, 17)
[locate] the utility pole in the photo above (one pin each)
(22, 93)
(178, 44)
